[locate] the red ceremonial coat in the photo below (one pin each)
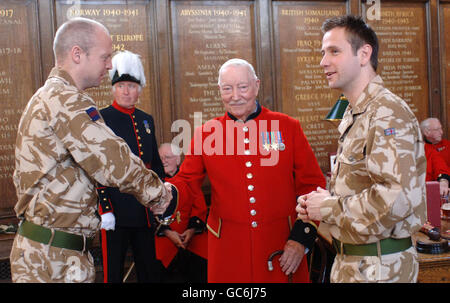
(253, 192)
(443, 148)
(435, 164)
(187, 207)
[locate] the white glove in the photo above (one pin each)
(108, 221)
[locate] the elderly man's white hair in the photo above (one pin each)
(177, 151)
(126, 62)
(425, 124)
(237, 62)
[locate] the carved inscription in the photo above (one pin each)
(446, 60)
(206, 36)
(304, 91)
(127, 25)
(402, 56)
(18, 80)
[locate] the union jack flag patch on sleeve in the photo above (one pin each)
(389, 131)
(93, 113)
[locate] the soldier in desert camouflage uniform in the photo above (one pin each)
(63, 148)
(377, 198)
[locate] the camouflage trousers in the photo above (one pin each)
(33, 262)
(401, 267)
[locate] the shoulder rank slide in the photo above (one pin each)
(93, 113)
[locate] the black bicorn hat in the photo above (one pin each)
(127, 66)
(124, 77)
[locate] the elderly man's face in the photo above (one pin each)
(169, 160)
(126, 93)
(434, 132)
(238, 91)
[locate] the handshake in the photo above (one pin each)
(160, 208)
(308, 207)
(109, 220)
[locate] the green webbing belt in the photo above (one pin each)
(60, 239)
(387, 246)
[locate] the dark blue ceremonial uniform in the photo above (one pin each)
(135, 224)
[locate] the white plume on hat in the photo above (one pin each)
(126, 62)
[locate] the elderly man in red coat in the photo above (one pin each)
(437, 152)
(258, 162)
(181, 245)
(433, 135)
(437, 169)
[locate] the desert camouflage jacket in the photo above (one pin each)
(63, 148)
(378, 182)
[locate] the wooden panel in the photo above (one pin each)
(445, 64)
(182, 48)
(205, 35)
(19, 78)
(303, 91)
(403, 54)
(129, 24)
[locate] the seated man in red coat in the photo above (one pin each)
(432, 132)
(437, 152)
(258, 163)
(437, 169)
(181, 243)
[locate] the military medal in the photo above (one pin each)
(274, 141)
(147, 127)
(265, 143)
(281, 145)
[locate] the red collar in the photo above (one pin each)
(128, 111)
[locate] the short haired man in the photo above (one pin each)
(63, 148)
(377, 198)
